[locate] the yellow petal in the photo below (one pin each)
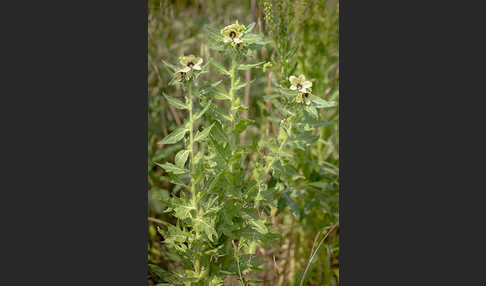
(183, 61)
(293, 80)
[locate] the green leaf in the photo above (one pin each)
(164, 153)
(239, 108)
(321, 103)
(171, 67)
(312, 110)
(294, 207)
(287, 92)
(201, 113)
(183, 212)
(206, 227)
(215, 182)
(174, 137)
(218, 134)
(175, 102)
(207, 87)
(219, 68)
(242, 125)
(220, 93)
(215, 39)
(216, 113)
(256, 39)
(259, 225)
(164, 275)
(172, 168)
(221, 154)
(272, 96)
(244, 67)
(244, 84)
(181, 158)
(250, 27)
(173, 179)
(203, 134)
(161, 195)
(319, 185)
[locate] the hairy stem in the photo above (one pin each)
(246, 102)
(193, 183)
(232, 96)
(191, 136)
(280, 148)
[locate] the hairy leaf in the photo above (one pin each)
(259, 225)
(174, 137)
(175, 102)
(321, 103)
(219, 68)
(245, 67)
(170, 67)
(201, 113)
(171, 168)
(242, 125)
(204, 134)
(181, 158)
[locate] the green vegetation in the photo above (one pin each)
(243, 143)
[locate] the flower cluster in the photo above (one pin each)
(232, 34)
(189, 63)
(303, 86)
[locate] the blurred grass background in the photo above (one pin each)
(310, 29)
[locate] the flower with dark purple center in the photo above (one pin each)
(190, 62)
(299, 83)
(233, 33)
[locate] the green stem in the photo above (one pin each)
(237, 257)
(191, 143)
(280, 148)
(232, 96)
(193, 185)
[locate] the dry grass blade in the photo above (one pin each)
(315, 251)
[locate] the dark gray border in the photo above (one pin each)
(75, 176)
(408, 206)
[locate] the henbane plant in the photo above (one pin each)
(218, 227)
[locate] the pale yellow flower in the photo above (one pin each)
(232, 34)
(300, 84)
(190, 62)
(301, 97)
(182, 74)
